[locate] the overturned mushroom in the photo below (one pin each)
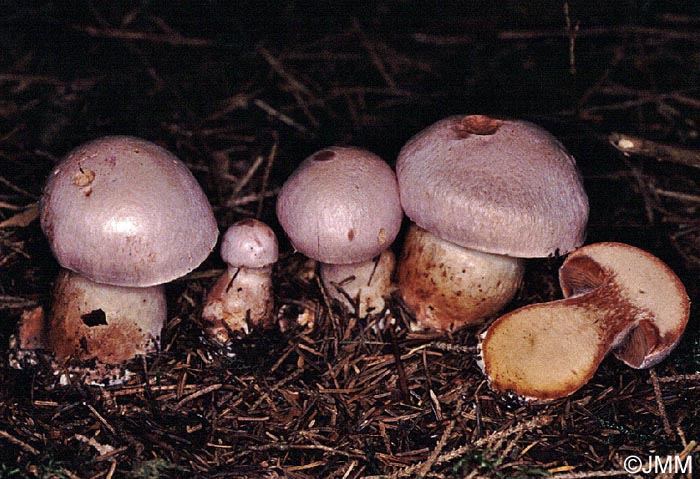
(124, 216)
(483, 194)
(242, 297)
(618, 298)
(341, 207)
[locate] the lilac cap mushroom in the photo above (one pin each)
(125, 215)
(242, 297)
(341, 207)
(483, 193)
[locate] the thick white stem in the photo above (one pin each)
(361, 287)
(241, 300)
(448, 287)
(110, 323)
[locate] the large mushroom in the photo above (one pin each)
(123, 216)
(341, 207)
(617, 298)
(483, 194)
(242, 299)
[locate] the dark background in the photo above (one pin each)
(223, 83)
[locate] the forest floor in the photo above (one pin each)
(242, 95)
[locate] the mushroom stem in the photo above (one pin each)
(617, 298)
(110, 323)
(549, 350)
(239, 301)
(448, 286)
(361, 287)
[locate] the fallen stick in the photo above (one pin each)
(662, 152)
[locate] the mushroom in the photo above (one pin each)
(483, 194)
(124, 216)
(242, 297)
(617, 298)
(341, 207)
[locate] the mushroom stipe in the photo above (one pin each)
(617, 298)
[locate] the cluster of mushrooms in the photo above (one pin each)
(124, 216)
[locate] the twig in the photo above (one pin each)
(643, 189)
(16, 188)
(662, 152)
(197, 394)
(376, 59)
(679, 377)
(428, 463)
(18, 442)
(660, 403)
(120, 34)
(571, 30)
(618, 30)
(246, 178)
(279, 115)
(252, 198)
(101, 419)
(15, 302)
(537, 421)
(452, 348)
(401, 372)
(266, 175)
(23, 218)
(592, 474)
(276, 65)
(677, 196)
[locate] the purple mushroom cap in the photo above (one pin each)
(499, 186)
(123, 211)
(341, 206)
(249, 243)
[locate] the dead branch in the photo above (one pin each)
(130, 35)
(663, 152)
(18, 442)
(593, 32)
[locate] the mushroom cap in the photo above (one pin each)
(123, 211)
(499, 186)
(655, 300)
(341, 206)
(249, 243)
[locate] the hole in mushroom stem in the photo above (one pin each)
(351, 234)
(96, 317)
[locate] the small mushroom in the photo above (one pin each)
(617, 298)
(124, 216)
(242, 297)
(484, 193)
(341, 207)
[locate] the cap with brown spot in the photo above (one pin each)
(494, 185)
(341, 206)
(124, 211)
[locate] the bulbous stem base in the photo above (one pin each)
(110, 323)
(240, 301)
(449, 287)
